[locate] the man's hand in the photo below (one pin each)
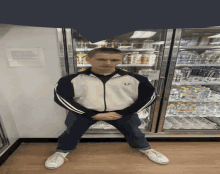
(107, 116)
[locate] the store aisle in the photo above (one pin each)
(118, 158)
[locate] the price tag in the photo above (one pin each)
(151, 75)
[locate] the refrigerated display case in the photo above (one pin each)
(4, 141)
(191, 100)
(147, 54)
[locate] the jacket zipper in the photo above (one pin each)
(104, 96)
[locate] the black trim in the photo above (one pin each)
(104, 97)
(11, 150)
(65, 51)
(165, 82)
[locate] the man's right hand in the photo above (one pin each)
(107, 116)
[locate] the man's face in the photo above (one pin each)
(105, 60)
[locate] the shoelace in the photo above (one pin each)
(54, 158)
(157, 154)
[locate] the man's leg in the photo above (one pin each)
(128, 126)
(77, 125)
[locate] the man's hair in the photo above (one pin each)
(105, 50)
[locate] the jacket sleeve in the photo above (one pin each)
(146, 97)
(63, 96)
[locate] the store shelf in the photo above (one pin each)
(196, 83)
(89, 49)
(217, 116)
(200, 65)
(199, 47)
(195, 101)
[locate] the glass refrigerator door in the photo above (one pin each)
(146, 54)
(192, 94)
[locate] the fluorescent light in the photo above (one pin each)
(159, 43)
(101, 42)
(215, 36)
(143, 34)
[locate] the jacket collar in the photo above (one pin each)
(119, 72)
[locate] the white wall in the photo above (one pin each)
(27, 106)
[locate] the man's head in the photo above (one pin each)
(105, 58)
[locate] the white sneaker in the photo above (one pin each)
(155, 156)
(56, 160)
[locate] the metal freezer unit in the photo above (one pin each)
(147, 53)
(191, 100)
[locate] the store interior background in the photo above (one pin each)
(26, 93)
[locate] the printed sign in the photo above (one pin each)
(25, 57)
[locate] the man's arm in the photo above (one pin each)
(63, 96)
(146, 97)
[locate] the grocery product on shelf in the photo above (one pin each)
(171, 109)
(148, 44)
(81, 58)
(189, 41)
(167, 124)
(143, 124)
(196, 74)
(148, 59)
(188, 57)
(125, 59)
(185, 123)
(192, 110)
(191, 123)
(185, 73)
(203, 41)
(136, 58)
(206, 123)
(177, 75)
(175, 124)
(195, 123)
(214, 119)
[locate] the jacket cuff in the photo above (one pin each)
(123, 112)
(89, 113)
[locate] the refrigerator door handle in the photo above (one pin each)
(161, 82)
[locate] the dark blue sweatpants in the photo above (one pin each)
(77, 125)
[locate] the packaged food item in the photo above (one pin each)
(193, 57)
(189, 41)
(136, 58)
(186, 73)
(177, 75)
(145, 58)
(148, 59)
(210, 75)
(182, 57)
(80, 57)
(125, 59)
(148, 44)
(216, 77)
(203, 41)
(152, 60)
(214, 41)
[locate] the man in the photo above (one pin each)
(103, 92)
